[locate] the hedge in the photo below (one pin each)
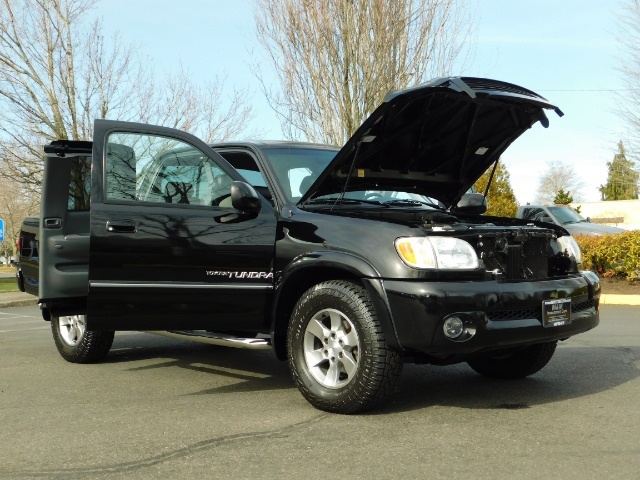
(616, 255)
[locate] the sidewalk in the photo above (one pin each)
(19, 299)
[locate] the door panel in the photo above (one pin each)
(63, 242)
(167, 249)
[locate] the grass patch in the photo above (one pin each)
(8, 285)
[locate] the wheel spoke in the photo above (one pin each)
(80, 326)
(349, 364)
(336, 321)
(351, 338)
(333, 375)
(77, 333)
(314, 358)
(317, 329)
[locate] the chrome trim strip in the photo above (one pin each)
(211, 286)
(220, 339)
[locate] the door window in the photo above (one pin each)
(79, 184)
(535, 214)
(153, 168)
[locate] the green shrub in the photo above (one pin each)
(615, 255)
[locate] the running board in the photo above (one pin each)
(202, 336)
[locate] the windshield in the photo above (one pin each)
(566, 215)
(298, 167)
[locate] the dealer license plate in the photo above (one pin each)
(556, 312)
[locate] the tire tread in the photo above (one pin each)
(93, 347)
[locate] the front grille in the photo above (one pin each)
(501, 315)
(515, 314)
(579, 307)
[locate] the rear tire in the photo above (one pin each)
(336, 349)
(519, 364)
(77, 345)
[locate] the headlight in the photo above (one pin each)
(436, 252)
(569, 244)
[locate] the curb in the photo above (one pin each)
(613, 299)
(19, 302)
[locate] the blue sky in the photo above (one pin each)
(566, 53)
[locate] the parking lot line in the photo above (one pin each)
(24, 329)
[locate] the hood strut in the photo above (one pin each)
(364, 139)
(493, 170)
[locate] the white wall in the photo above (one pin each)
(629, 210)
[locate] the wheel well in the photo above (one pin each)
(295, 285)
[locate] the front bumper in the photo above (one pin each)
(500, 314)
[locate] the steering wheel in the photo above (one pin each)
(373, 196)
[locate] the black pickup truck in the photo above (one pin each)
(346, 262)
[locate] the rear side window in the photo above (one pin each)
(80, 184)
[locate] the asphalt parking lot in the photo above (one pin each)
(163, 408)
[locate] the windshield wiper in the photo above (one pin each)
(340, 201)
(411, 203)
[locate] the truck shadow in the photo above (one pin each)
(252, 370)
(573, 372)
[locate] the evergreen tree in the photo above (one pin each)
(563, 198)
(502, 201)
(622, 182)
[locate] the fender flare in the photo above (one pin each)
(328, 258)
(353, 266)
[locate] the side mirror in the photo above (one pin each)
(245, 198)
(546, 218)
(588, 219)
(471, 203)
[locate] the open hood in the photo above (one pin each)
(435, 139)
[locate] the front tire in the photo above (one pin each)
(77, 345)
(336, 349)
(520, 364)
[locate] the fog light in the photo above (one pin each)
(453, 327)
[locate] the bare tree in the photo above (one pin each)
(179, 103)
(559, 176)
(629, 100)
(57, 74)
(16, 202)
(336, 59)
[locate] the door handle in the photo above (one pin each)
(121, 226)
(52, 222)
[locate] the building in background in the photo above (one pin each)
(618, 213)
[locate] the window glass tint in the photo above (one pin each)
(246, 166)
(566, 215)
(254, 177)
(151, 168)
(80, 184)
(533, 214)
